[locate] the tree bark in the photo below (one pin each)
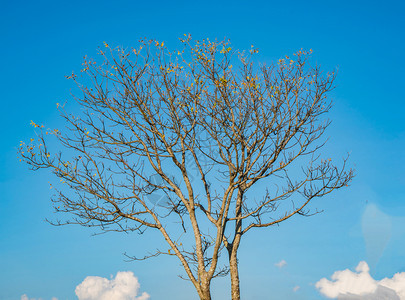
(233, 249)
(205, 290)
(234, 271)
(206, 295)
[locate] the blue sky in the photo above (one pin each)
(42, 41)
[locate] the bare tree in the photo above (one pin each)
(175, 141)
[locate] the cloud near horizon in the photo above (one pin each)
(347, 285)
(124, 286)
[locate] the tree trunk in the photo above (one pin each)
(233, 250)
(206, 296)
(204, 292)
(234, 271)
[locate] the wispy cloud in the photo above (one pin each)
(296, 288)
(377, 231)
(25, 297)
(281, 264)
(124, 286)
(347, 285)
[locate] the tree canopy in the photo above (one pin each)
(177, 141)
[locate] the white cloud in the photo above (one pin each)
(347, 285)
(124, 286)
(296, 288)
(281, 264)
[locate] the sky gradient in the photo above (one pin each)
(42, 41)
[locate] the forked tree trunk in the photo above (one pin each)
(205, 295)
(204, 290)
